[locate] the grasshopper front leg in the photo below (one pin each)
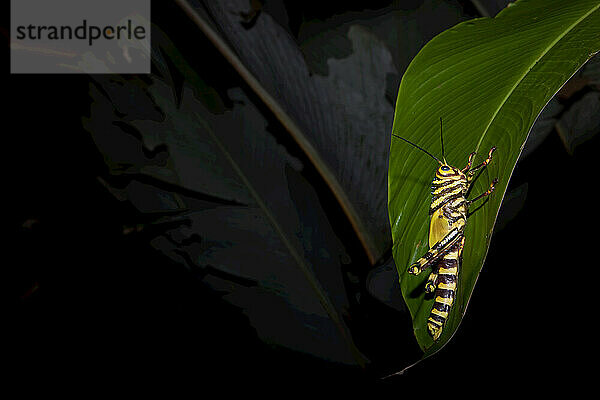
(470, 170)
(486, 193)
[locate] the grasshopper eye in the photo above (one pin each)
(445, 168)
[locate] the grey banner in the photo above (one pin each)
(80, 36)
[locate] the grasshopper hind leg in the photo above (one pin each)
(436, 252)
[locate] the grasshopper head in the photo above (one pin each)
(446, 171)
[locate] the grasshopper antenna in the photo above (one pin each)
(442, 140)
(420, 148)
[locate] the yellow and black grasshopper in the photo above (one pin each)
(448, 211)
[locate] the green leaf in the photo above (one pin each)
(488, 79)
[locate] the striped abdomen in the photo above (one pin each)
(443, 281)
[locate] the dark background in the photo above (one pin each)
(89, 305)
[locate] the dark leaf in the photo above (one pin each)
(345, 115)
(237, 208)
